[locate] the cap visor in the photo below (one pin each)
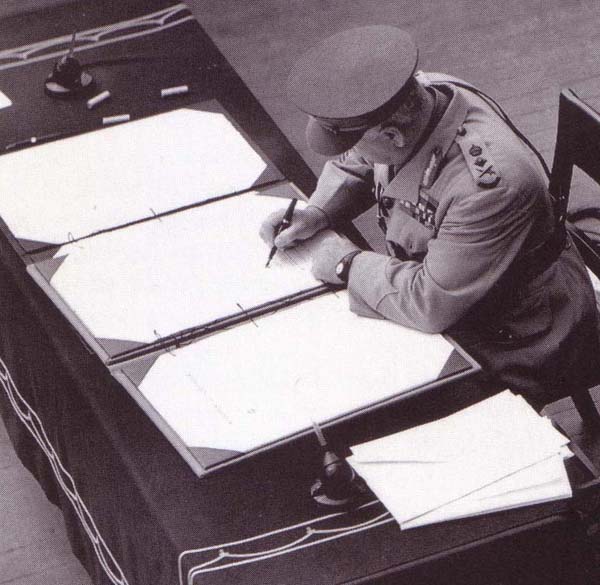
(329, 143)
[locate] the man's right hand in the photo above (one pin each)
(305, 224)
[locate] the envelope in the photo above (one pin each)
(542, 482)
(421, 470)
(474, 429)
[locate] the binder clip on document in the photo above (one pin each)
(68, 78)
(338, 484)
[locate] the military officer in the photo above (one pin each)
(474, 247)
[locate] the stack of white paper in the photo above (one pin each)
(495, 455)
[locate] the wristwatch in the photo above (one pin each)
(342, 269)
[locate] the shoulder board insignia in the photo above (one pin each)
(342, 157)
(478, 159)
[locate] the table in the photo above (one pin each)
(135, 511)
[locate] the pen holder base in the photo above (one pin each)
(339, 485)
(68, 80)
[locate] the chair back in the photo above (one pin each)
(577, 144)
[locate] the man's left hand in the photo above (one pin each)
(331, 249)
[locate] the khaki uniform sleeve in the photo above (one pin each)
(478, 238)
(345, 188)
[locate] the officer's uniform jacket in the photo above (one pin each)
(469, 205)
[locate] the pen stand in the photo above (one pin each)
(338, 484)
(68, 79)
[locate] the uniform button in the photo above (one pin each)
(462, 131)
(475, 150)
(387, 202)
(480, 161)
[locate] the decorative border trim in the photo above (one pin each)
(97, 37)
(303, 535)
(35, 427)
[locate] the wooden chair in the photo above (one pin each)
(577, 144)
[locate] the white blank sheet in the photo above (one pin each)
(158, 277)
(542, 482)
(5, 101)
(258, 383)
(494, 455)
(477, 428)
(73, 187)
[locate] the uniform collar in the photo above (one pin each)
(407, 182)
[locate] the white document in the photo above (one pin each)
(70, 188)
(478, 428)
(262, 381)
(159, 277)
(545, 481)
(493, 455)
(4, 101)
(409, 491)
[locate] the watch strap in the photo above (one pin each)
(346, 263)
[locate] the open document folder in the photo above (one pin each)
(129, 287)
(67, 189)
(264, 381)
(495, 455)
